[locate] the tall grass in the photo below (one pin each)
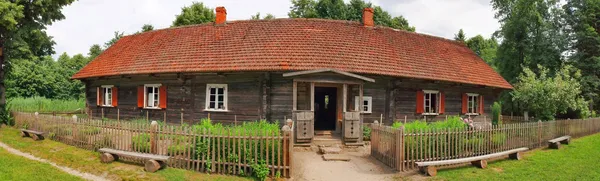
(41, 104)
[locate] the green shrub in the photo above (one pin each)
(499, 139)
(5, 116)
(451, 122)
(141, 143)
(260, 170)
(366, 133)
(496, 111)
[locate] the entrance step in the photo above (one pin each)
(327, 140)
(330, 149)
(323, 133)
(336, 157)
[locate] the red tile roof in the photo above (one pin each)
(292, 45)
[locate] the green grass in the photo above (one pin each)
(88, 161)
(41, 104)
(14, 167)
(580, 160)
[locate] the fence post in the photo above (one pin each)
(153, 137)
(539, 133)
(400, 146)
(34, 121)
(288, 130)
(74, 131)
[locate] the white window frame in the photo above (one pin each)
(225, 97)
(472, 104)
(426, 104)
(359, 107)
(106, 102)
(157, 88)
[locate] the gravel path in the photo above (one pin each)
(310, 166)
(71, 171)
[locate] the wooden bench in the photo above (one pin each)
(36, 135)
(555, 143)
(429, 167)
(153, 162)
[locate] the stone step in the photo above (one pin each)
(336, 157)
(330, 149)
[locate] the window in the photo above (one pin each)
(106, 91)
(151, 95)
(216, 97)
(366, 106)
(432, 103)
(472, 103)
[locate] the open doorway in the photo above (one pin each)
(325, 108)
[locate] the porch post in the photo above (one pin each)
(312, 96)
(295, 96)
(344, 102)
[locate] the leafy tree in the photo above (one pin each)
(118, 35)
(23, 35)
(583, 19)
(147, 27)
(485, 48)
(460, 36)
(197, 13)
(257, 16)
(95, 50)
(269, 16)
(545, 95)
(353, 11)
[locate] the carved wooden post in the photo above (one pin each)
(74, 127)
(287, 151)
(153, 137)
(34, 121)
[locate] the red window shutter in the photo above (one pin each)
(442, 103)
(465, 100)
(420, 102)
(481, 105)
(162, 96)
(98, 97)
(115, 97)
(140, 95)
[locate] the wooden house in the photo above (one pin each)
(326, 75)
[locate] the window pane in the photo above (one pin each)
(220, 98)
(212, 98)
(220, 90)
(366, 108)
(434, 103)
(366, 103)
(211, 105)
(150, 100)
(221, 106)
(212, 91)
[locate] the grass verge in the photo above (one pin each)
(14, 167)
(579, 160)
(88, 161)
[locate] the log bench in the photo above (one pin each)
(153, 162)
(429, 167)
(555, 143)
(36, 135)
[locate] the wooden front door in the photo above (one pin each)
(325, 108)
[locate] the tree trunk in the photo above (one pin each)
(2, 68)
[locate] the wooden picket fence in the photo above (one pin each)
(401, 148)
(223, 151)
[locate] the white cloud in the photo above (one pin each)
(94, 22)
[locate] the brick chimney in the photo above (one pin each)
(221, 15)
(368, 17)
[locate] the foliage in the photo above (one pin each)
(90, 131)
(545, 95)
(141, 143)
(5, 116)
(40, 104)
(366, 133)
(460, 36)
(147, 27)
(337, 9)
(257, 16)
(496, 112)
(118, 35)
(197, 13)
(260, 170)
(484, 48)
(582, 16)
(418, 125)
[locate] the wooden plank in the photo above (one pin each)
(134, 154)
(559, 139)
(470, 159)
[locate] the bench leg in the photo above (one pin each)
(38, 137)
(35, 137)
(566, 141)
(107, 157)
(515, 156)
(480, 163)
(24, 134)
(429, 170)
(152, 165)
(555, 145)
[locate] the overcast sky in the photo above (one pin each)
(91, 22)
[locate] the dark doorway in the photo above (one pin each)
(325, 108)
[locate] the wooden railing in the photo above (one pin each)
(226, 150)
(401, 148)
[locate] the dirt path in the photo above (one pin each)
(309, 165)
(71, 171)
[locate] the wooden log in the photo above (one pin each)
(35, 137)
(555, 145)
(515, 156)
(429, 170)
(107, 157)
(152, 166)
(24, 134)
(480, 163)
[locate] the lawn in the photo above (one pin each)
(580, 160)
(14, 167)
(88, 161)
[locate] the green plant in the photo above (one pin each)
(499, 139)
(42, 104)
(451, 122)
(141, 143)
(366, 133)
(278, 175)
(496, 111)
(90, 131)
(260, 170)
